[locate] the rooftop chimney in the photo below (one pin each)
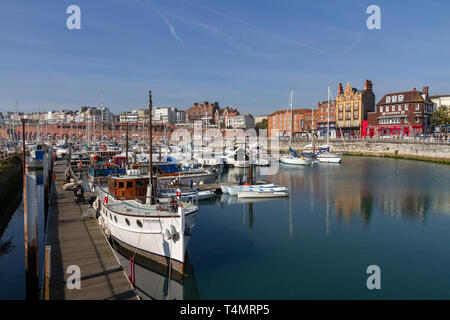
(340, 89)
(425, 92)
(368, 85)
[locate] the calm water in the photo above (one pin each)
(12, 246)
(316, 244)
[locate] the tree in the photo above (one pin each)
(441, 117)
(263, 124)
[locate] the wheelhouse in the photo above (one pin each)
(128, 187)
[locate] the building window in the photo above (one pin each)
(417, 120)
(399, 108)
(417, 107)
(406, 107)
(381, 109)
(387, 108)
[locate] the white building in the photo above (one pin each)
(242, 121)
(440, 100)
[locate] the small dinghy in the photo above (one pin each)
(262, 194)
(233, 191)
(226, 188)
(69, 185)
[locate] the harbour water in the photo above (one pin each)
(12, 245)
(316, 244)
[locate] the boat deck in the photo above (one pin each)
(80, 242)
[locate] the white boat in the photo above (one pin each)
(226, 188)
(262, 194)
(189, 195)
(295, 160)
(233, 191)
(328, 157)
(131, 216)
(292, 158)
(62, 151)
(159, 231)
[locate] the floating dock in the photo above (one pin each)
(77, 240)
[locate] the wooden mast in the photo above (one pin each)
(126, 153)
(150, 172)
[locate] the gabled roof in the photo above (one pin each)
(408, 97)
(295, 111)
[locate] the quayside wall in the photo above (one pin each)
(417, 150)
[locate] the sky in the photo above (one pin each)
(241, 53)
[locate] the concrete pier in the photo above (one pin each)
(77, 240)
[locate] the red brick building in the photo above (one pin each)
(321, 117)
(201, 111)
(401, 114)
(222, 116)
(281, 121)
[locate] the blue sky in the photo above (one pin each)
(245, 54)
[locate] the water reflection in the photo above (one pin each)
(153, 281)
(358, 188)
(6, 246)
(12, 239)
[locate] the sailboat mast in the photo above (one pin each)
(328, 130)
(150, 172)
(312, 131)
(126, 150)
(291, 98)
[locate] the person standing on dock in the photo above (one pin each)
(67, 174)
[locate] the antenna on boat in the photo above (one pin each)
(291, 98)
(328, 130)
(150, 172)
(126, 148)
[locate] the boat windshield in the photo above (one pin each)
(169, 168)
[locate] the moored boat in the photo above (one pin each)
(262, 194)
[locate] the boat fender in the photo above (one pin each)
(167, 234)
(108, 233)
(173, 230)
(100, 220)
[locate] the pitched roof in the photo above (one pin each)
(408, 96)
(295, 111)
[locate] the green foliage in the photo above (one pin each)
(263, 124)
(441, 116)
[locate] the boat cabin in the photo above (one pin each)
(128, 187)
(160, 168)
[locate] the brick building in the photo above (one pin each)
(352, 107)
(201, 111)
(321, 118)
(222, 117)
(401, 114)
(281, 121)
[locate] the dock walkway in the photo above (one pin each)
(80, 242)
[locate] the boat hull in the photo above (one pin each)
(329, 159)
(262, 194)
(148, 235)
(295, 161)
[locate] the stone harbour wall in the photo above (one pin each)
(431, 151)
